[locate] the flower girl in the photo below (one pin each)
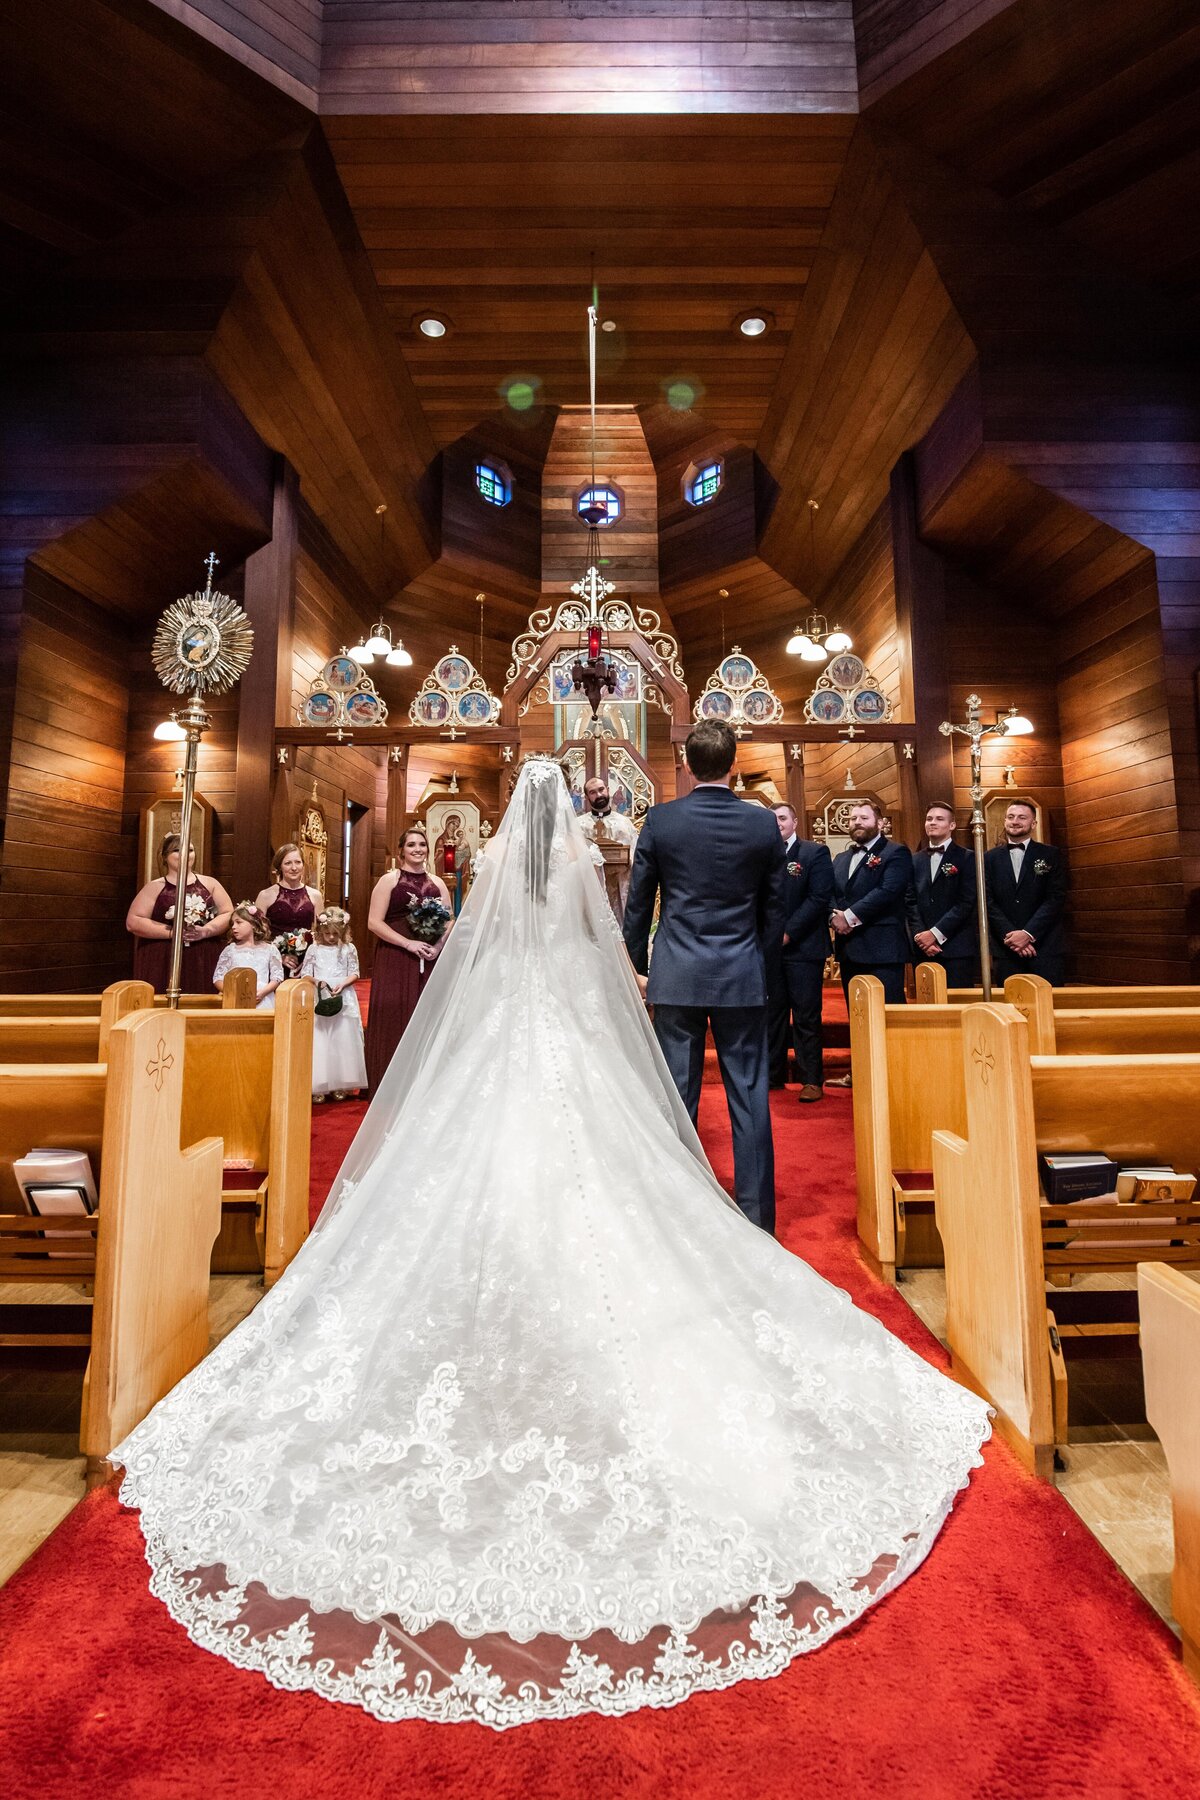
(332, 962)
(250, 947)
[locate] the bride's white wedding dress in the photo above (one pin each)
(537, 1424)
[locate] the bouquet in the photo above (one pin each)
(427, 920)
(198, 909)
(291, 946)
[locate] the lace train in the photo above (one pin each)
(537, 1424)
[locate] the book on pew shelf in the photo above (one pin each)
(1154, 1184)
(56, 1184)
(56, 1181)
(1076, 1175)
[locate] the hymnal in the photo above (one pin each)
(1077, 1175)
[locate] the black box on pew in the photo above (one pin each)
(1076, 1175)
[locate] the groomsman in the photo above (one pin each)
(794, 975)
(870, 887)
(1027, 899)
(941, 901)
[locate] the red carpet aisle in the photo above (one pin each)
(1018, 1661)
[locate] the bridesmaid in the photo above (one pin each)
(151, 929)
(397, 975)
(289, 903)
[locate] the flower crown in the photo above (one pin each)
(333, 915)
(249, 910)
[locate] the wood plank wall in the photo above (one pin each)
(278, 39)
(630, 547)
(876, 352)
(1005, 652)
(1120, 786)
(862, 597)
(617, 56)
(67, 868)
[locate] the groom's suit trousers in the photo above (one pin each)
(740, 1035)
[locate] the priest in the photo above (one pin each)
(603, 825)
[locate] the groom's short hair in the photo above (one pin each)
(710, 750)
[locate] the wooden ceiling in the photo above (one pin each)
(492, 223)
(1085, 115)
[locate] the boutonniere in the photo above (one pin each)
(795, 868)
(874, 862)
(1041, 866)
(949, 868)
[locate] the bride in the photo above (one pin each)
(537, 1423)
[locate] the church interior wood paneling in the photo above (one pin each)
(962, 221)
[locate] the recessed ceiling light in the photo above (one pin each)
(753, 325)
(431, 327)
(608, 325)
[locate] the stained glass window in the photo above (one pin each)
(606, 497)
(493, 484)
(705, 484)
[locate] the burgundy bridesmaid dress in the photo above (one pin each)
(397, 978)
(152, 956)
(291, 910)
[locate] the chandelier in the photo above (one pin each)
(379, 641)
(591, 672)
(814, 641)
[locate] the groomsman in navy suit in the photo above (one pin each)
(795, 975)
(941, 901)
(870, 888)
(1027, 899)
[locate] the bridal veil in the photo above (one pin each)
(537, 1423)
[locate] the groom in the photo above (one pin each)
(718, 865)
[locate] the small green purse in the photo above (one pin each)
(328, 1004)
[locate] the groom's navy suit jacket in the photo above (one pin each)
(719, 866)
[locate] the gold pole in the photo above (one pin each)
(975, 730)
(194, 720)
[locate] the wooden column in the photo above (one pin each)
(397, 800)
(264, 698)
(921, 634)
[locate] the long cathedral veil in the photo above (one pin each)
(536, 1423)
(536, 930)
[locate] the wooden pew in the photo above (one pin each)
(249, 1076)
(931, 990)
(1060, 1024)
(247, 1079)
(1000, 1241)
(1170, 1312)
(908, 1084)
(907, 1063)
(147, 1247)
(33, 1031)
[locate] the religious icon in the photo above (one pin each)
(474, 709)
(869, 705)
(715, 705)
(319, 709)
(828, 707)
(454, 672)
(342, 673)
(433, 709)
(846, 671)
(199, 642)
(737, 671)
(363, 709)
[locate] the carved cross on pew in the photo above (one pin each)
(158, 1065)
